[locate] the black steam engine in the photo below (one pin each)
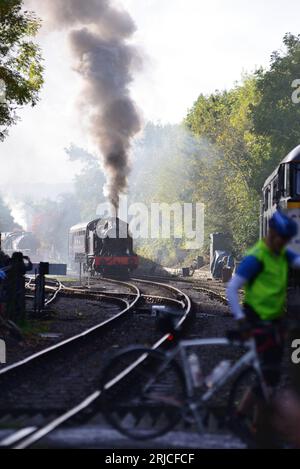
(103, 246)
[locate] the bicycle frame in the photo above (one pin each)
(192, 401)
(250, 358)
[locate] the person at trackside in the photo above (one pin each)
(15, 306)
(264, 275)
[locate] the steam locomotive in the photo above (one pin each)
(102, 246)
(20, 241)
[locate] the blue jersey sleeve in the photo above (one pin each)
(249, 268)
(292, 256)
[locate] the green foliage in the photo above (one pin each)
(230, 178)
(229, 143)
(250, 129)
(21, 70)
(161, 174)
(276, 116)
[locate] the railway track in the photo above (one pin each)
(215, 289)
(213, 294)
(212, 288)
(53, 288)
(29, 435)
(127, 306)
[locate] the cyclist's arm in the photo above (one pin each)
(293, 258)
(233, 288)
(247, 271)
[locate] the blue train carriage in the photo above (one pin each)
(282, 190)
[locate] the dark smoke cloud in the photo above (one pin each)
(99, 36)
(112, 22)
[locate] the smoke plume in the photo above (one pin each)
(99, 34)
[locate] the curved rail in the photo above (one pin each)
(213, 294)
(37, 435)
(30, 285)
(127, 306)
(54, 296)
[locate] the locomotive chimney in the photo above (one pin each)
(118, 226)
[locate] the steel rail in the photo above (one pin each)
(60, 345)
(37, 435)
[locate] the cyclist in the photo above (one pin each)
(264, 275)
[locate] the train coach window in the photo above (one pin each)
(298, 181)
(287, 183)
(281, 181)
(266, 199)
(275, 191)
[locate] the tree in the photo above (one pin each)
(21, 70)
(162, 174)
(250, 129)
(230, 175)
(276, 115)
(159, 160)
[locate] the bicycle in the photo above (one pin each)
(145, 393)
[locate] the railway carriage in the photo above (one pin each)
(104, 247)
(282, 191)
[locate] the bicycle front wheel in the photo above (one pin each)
(142, 393)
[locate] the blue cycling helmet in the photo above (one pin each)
(283, 225)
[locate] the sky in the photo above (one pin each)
(190, 47)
